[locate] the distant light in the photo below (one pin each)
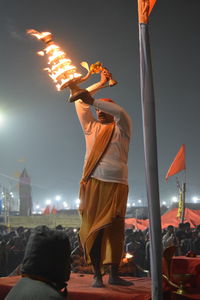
(128, 204)
(133, 204)
(139, 201)
(164, 203)
(37, 206)
(195, 199)
(48, 201)
(174, 199)
(58, 198)
(77, 201)
(65, 204)
(2, 119)
(74, 230)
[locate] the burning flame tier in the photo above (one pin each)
(60, 68)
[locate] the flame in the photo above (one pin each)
(56, 56)
(41, 53)
(128, 255)
(51, 48)
(61, 63)
(38, 35)
(127, 258)
(59, 68)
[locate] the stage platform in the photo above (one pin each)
(79, 287)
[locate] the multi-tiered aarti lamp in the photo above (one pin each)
(60, 68)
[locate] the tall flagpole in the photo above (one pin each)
(150, 147)
(184, 195)
(178, 165)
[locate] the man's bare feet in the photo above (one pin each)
(119, 281)
(98, 282)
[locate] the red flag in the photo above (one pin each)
(151, 5)
(54, 211)
(178, 164)
(47, 210)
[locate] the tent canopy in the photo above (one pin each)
(169, 218)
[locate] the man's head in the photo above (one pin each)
(187, 225)
(181, 226)
(103, 117)
(47, 255)
(170, 228)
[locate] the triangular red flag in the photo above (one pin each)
(54, 211)
(178, 163)
(151, 5)
(47, 210)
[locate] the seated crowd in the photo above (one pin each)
(137, 244)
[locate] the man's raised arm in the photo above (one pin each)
(83, 110)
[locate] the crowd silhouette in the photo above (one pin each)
(137, 244)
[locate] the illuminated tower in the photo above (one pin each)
(25, 194)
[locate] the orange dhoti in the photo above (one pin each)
(104, 207)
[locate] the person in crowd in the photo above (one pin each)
(147, 250)
(169, 238)
(3, 258)
(184, 235)
(104, 184)
(45, 268)
(180, 232)
(196, 242)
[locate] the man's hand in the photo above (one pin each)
(105, 76)
(86, 97)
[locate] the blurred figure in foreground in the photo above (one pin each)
(45, 267)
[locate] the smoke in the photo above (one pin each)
(17, 35)
(17, 180)
(13, 31)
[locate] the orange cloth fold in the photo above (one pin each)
(144, 9)
(99, 148)
(105, 209)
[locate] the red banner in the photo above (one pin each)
(178, 163)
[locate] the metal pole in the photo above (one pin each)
(183, 209)
(5, 205)
(151, 165)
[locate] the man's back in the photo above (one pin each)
(29, 289)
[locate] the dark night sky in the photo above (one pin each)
(41, 127)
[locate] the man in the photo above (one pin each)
(104, 184)
(45, 268)
(169, 238)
